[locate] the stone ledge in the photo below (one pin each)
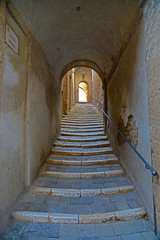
(85, 139)
(82, 153)
(86, 130)
(111, 173)
(82, 135)
(83, 163)
(124, 215)
(82, 192)
(82, 145)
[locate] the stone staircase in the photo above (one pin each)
(82, 181)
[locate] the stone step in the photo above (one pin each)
(46, 217)
(59, 192)
(82, 145)
(80, 152)
(82, 168)
(82, 121)
(81, 124)
(100, 133)
(80, 116)
(87, 183)
(81, 127)
(112, 173)
(81, 130)
(111, 160)
(82, 139)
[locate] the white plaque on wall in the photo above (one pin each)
(11, 39)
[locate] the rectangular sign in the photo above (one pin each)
(11, 39)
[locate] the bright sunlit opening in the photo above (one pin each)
(82, 95)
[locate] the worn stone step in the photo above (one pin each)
(82, 139)
(64, 126)
(80, 152)
(82, 121)
(99, 133)
(46, 217)
(81, 192)
(87, 183)
(82, 168)
(112, 173)
(81, 130)
(78, 116)
(82, 145)
(111, 160)
(81, 124)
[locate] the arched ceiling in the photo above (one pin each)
(72, 30)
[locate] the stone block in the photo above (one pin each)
(63, 218)
(50, 230)
(130, 214)
(26, 216)
(97, 218)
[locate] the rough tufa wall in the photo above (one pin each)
(127, 96)
(30, 112)
(151, 19)
(97, 91)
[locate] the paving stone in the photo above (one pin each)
(68, 230)
(138, 226)
(35, 238)
(50, 230)
(88, 238)
(135, 236)
(131, 196)
(38, 207)
(18, 228)
(86, 200)
(98, 208)
(121, 205)
(33, 229)
(111, 207)
(110, 238)
(104, 229)
(11, 237)
(58, 208)
(86, 230)
(117, 198)
(122, 228)
(133, 203)
(149, 236)
(74, 201)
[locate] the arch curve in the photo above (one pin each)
(83, 63)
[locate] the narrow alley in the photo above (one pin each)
(79, 119)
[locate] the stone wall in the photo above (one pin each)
(30, 113)
(151, 19)
(128, 104)
(67, 89)
(97, 90)
(2, 39)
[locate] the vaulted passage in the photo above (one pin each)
(71, 74)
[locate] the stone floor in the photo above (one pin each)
(130, 230)
(82, 192)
